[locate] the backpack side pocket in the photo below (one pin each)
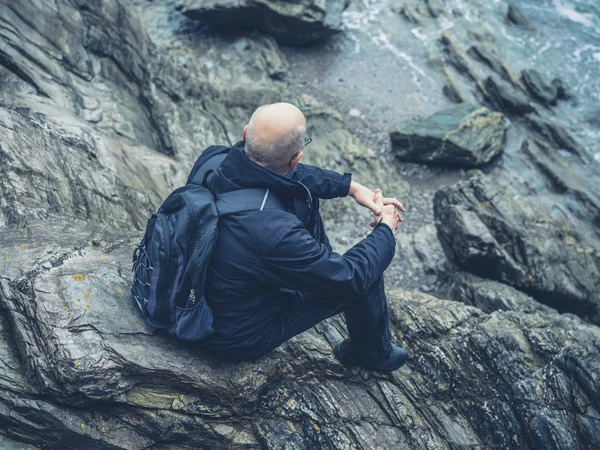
(195, 322)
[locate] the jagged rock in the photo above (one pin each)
(89, 58)
(92, 93)
(104, 68)
(515, 16)
(299, 22)
(416, 11)
(557, 135)
(576, 179)
(94, 375)
(506, 97)
(489, 56)
(464, 135)
(489, 296)
(453, 92)
(492, 232)
(458, 58)
(49, 172)
(561, 90)
(538, 87)
(428, 249)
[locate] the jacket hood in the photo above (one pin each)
(239, 172)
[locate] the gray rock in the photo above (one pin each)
(556, 135)
(506, 97)
(458, 58)
(103, 107)
(428, 249)
(539, 89)
(488, 55)
(515, 16)
(50, 172)
(464, 135)
(417, 11)
(299, 22)
(489, 296)
(492, 232)
(575, 176)
(87, 372)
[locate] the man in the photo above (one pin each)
(273, 274)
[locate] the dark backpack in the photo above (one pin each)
(169, 265)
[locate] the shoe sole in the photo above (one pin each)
(354, 363)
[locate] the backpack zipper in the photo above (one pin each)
(194, 223)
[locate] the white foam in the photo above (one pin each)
(355, 20)
(571, 14)
(382, 39)
(597, 56)
(585, 48)
(418, 34)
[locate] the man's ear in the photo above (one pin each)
(244, 133)
(295, 160)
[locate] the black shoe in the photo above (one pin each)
(347, 355)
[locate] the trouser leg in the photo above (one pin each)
(368, 322)
(367, 316)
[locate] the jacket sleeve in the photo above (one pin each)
(321, 183)
(297, 261)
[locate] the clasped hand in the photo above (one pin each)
(385, 209)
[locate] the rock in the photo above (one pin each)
(49, 172)
(453, 93)
(506, 97)
(489, 56)
(489, 296)
(556, 135)
(85, 369)
(464, 135)
(458, 58)
(416, 11)
(428, 249)
(561, 91)
(354, 112)
(538, 87)
(89, 59)
(576, 179)
(492, 232)
(299, 22)
(103, 108)
(515, 16)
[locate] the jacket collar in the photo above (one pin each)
(239, 172)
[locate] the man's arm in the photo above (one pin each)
(321, 183)
(297, 261)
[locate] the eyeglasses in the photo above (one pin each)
(307, 140)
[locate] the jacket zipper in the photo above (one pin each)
(309, 194)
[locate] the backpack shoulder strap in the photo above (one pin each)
(208, 167)
(243, 200)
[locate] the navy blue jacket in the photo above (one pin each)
(259, 252)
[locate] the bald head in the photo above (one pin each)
(274, 135)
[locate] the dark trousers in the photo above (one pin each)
(366, 318)
(366, 315)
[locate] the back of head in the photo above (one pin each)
(275, 134)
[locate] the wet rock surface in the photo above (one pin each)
(490, 231)
(464, 136)
(103, 109)
(299, 22)
(82, 370)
